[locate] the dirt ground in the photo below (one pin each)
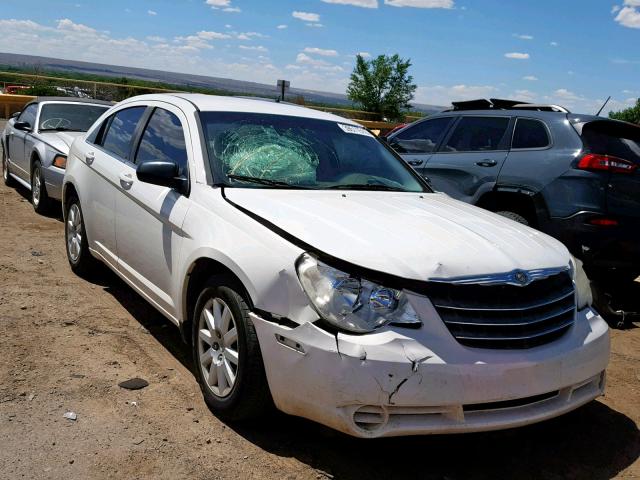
(66, 343)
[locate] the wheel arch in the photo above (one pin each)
(198, 272)
(528, 204)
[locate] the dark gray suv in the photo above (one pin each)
(576, 177)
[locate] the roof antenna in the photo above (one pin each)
(603, 105)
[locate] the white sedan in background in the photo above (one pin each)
(309, 266)
(36, 141)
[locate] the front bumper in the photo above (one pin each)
(401, 381)
(53, 177)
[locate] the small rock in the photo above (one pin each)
(31, 396)
(77, 375)
(71, 416)
(138, 442)
(189, 409)
(71, 462)
(23, 307)
(208, 440)
(36, 253)
(134, 384)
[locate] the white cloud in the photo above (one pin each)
(523, 37)
(444, 95)
(554, 44)
(257, 48)
(364, 54)
(420, 3)
(523, 95)
(615, 8)
(152, 13)
(306, 16)
(66, 24)
(317, 64)
(629, 16)
(155, 38)
(355, 3)
(224, 5)
(281, 27)
(314, 25)
(530, 78)
(321, 51)
(517, 56)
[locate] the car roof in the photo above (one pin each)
(218, 103)
(90, 101)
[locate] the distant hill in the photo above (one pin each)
(226, 84)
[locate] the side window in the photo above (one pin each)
(530, 134)
(29, 115)
(163, 140)
(421, 138)
(117, 139)
(477, 134)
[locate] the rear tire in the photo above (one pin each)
(516, 217)
(8, 180)
(226, 353)
(80, 259)
(39, 197)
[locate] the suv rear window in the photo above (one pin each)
(477, 134)
(612, 138)
(530, 133)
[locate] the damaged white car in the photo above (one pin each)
(308, 266)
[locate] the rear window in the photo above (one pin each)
(530, 133)
(614, 139)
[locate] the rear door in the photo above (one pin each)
(105, 160)
(469, 159)
(417, 142)
(620, 141)
(149, 217)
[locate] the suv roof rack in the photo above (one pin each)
(502, 104)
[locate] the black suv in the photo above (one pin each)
(575, 177)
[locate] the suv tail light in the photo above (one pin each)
(593, 161)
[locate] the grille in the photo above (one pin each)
(506, 316)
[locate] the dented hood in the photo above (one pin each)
(61, 141)
(415, 236)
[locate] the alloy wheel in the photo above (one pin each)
(218, 347)
(36, 187)
(74, 232)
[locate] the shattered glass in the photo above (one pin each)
(264, 152)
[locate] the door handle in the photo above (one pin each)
(487, 163)
(126, 180)
(415, 163)
(90, 157)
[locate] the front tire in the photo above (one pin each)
(8, 180)
(39, 198)
(80, 259)
(226, 353)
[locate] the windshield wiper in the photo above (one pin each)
(365, 186)
(262, 181)
(61, 129)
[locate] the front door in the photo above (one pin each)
(149, 217)
(17, 140)
(468, 162)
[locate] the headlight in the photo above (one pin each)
(349, 302)
(584, 298)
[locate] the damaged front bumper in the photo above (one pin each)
(400, 381)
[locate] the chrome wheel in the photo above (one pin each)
(218, 347)
(36, 187)
(74, 232)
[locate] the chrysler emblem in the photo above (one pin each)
(521, 277)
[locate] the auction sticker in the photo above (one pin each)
(355, 130)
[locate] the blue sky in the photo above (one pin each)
(570, 52)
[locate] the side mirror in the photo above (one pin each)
(15, 115)
(24, 126)
(164, 174)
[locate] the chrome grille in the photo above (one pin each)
(489, 315)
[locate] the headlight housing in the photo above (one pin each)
(351, 303)
(584, 297)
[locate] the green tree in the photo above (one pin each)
(631, 114)
(382, 85)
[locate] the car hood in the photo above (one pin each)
(415, 236)
(61, 141)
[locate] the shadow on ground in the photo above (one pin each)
(593, 442)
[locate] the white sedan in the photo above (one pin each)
(309, 267)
